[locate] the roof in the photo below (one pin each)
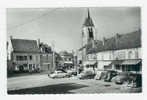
(83, 47)
(25, 46)
(109, 44)
(131, 40)
(88, 21)
(125, 41)
(65, 53)
(98, 46)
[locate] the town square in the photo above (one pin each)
(74, 50)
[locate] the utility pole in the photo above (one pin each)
(77, 62)
(53, 49)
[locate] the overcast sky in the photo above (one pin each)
(63, 25)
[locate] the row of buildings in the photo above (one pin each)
(121, 52)
(33, 55)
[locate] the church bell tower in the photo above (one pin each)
(88, 31)
(88, 35)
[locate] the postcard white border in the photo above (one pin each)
(69, 3)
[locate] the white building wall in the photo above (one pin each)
(102, 57)
(133, 53)
(35, 59)
(79, 56)
(85, 35)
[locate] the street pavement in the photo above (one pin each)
(42, 84)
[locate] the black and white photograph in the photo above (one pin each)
(74, 50)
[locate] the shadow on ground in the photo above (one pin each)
(50, 89)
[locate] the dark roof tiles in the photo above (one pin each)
(22, 45)
(125, 41)
(88, 22)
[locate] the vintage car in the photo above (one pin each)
(100, 74)
(59, 74)
(86, 75)
(121, 77)
(109, 75)
(129, 77)
(135, 80)
(72, 72)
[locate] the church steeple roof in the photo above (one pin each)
(88, 20)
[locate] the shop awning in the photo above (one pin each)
(130, 62)
(89, 63)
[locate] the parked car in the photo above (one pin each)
(109, 75)
(135, 80)
(101, 74)
(59, 74)
(72, 72)
(86, 75)
(122, 77)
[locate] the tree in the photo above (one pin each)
(45, 48)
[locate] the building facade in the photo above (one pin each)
(123, 54)
(88, 36)
(25, 55)
(67, 60)
(46, 58)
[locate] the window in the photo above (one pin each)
(30, 57)
(25, 57)
(94, 57)
(87, 66)
(30, 66)
(34, 66)
(117, 67)
(65, 59)
(69, 59)
(121, 55)
(21, 58)
(25, 65)
(129, 54)
(17, 58)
